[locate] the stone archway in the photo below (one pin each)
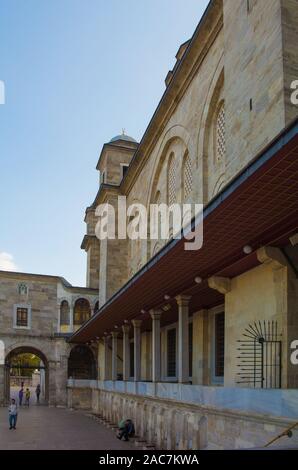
(81, 363)
(44, 367)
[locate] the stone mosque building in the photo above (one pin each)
(195, 346)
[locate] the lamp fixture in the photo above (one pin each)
(247, 249)
(167, 297)
(198, 280)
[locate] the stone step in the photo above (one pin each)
(140, 442)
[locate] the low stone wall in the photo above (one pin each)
(174, 425)
(79, 398)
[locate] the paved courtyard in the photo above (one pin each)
(40, 427)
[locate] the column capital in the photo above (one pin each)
(268, 254)
(183, 300)
(294, 239)
(155, 313)
(221, 284)
(137, 323)
(115, 334)
(125, 329)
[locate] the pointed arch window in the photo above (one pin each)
(64, 313)
(171, 180)
(187, 177)
(220, 134)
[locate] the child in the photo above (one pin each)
(13, 414)
(27, 397)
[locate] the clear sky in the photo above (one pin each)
(76, 72)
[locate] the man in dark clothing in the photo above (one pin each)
(37, 392)
(126, 429)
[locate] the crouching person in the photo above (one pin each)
(13, 414)
(126, 429)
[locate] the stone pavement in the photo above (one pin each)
(40, 427)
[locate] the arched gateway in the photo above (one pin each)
(23, 368)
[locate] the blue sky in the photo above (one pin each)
(76, 72)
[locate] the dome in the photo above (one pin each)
(123, 137)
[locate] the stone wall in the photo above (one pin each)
(266, 293)
(174, 425)
(246, 58)
(43, 297)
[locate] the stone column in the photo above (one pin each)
(137, 349)
(52, 383)
(155, 315)
(126, 352)
(201, 351)
(183, 340)
(2, 384)
(114, 354)
(106, 371)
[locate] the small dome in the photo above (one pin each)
(123, 137)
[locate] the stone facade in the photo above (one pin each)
(235, 74)
(43, 334)
(226, 99)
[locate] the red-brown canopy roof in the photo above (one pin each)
(259, 207)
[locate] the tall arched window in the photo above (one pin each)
(64, 313)
(81, 363)
(82, 311)
(171, 180)
(187, 177)
(220, 134)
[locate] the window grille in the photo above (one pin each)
(259, 359)
(219, 344)
(172, 182)
(64, 313)
(171, 352)
(187, 177)
(190, 342)
(220, 134)
(22, 317)
(82, 311)
(131, 359)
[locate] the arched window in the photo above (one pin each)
(187, 177)
(220, 134)
(82, 311)
(81, 363)
(171, 180)
(64, 313)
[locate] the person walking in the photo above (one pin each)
(13, 414)
(27, 397)
(21, 395)
(37, 392)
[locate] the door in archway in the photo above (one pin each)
(26, 367)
